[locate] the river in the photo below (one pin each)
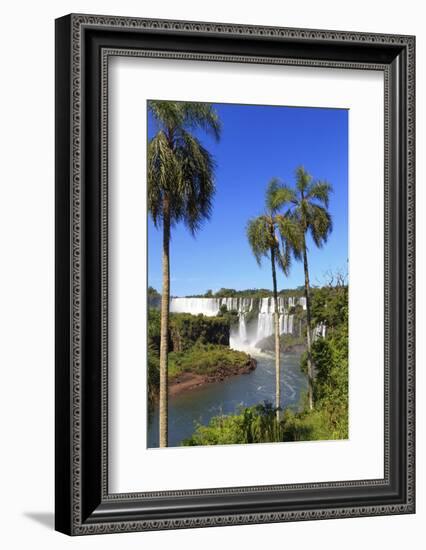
(199, 405)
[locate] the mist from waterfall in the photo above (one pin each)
(255, 315)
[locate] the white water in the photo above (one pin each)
(319, 331)
(245, 334)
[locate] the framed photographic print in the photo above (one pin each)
(234, 274)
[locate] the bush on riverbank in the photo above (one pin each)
(208, 360)
(330, 358)
(329, 418)
(197, 345)
(258, 424)
(255, 424)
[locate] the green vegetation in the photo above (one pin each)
(256, 424)
(153, 293)
(181, 187)
(255, 293)
(186, 329)
(197, 345)
(330, 356)
(213, 360)
(275, 237)
(307, 206)
(328, 419)
(310, 209)
(259, 424)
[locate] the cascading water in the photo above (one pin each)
(319, 331)
(242, 329)
(195, 306)
(246, 333)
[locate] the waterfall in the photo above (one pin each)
(248, 331)
(265, 322)
(206, 306)
(242, 331)
(319, 331)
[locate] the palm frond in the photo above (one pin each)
(167, 114)
(284, 258)
(278, 195)
(259, 237)
(290, 233)
(196, 185)
(320, 191)
(163, 170)
(204, 116)
(178, 164)
(303, 179)
(320, 224)
(301, 212)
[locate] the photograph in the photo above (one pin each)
(234, 274)
(248, 274)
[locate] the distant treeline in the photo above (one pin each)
(329, 417)
(249, 292)
(233, 293)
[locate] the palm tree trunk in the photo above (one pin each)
(164, 333)
(308, 326)
(277, 338)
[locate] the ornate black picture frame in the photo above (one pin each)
(83, 45)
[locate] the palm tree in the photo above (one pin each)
(180, 189)
(274, 236)
(308, 206)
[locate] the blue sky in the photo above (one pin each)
(258, 143)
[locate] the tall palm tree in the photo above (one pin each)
(180, 189)
(276, 237)
(307, 204)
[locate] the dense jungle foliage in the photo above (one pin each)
(197, 344)
(329, 417)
